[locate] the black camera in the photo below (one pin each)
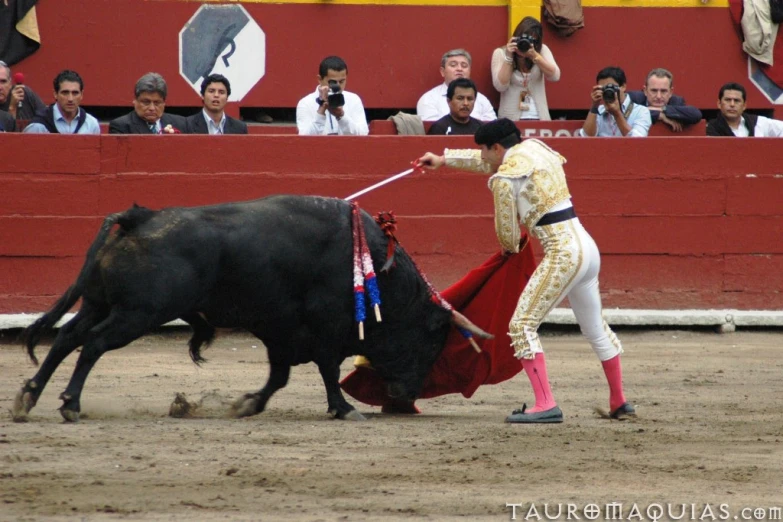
(524, 43)
(610, 92)
(335, 97)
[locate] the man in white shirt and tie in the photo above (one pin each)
(433, 105)
(331, 110)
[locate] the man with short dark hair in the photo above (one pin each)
(734, 121)
(528, 184)
(433, 104)
(613, 113)
(12, 96)
(331, 109)
(65, 115)
(148, 115)
(212, 119)
(461, 95)
(665, 106)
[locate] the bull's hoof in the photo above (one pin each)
(23, 403)
(69, 415)
(353, 415)
(245, 406)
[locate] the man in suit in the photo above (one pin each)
(665, 106)
(212, 119)
(148, 110)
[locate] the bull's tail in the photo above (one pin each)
(45, 324)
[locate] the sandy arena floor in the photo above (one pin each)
(709, 435)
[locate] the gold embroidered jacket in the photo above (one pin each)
(530, 182)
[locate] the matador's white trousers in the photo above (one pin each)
(569, 269)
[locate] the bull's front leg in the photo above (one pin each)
(254, 403)
(338, 406)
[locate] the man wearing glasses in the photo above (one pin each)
(148, 110)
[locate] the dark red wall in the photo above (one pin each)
(393, 52)
(681, 222)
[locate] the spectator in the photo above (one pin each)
(461, 95)
(331, 109)
(11, 98)
(433, 105)
(212, 119)
(732, 120)
(65, 116)
(7, 122)
(613, 113)
(657, 95)
(519, 75)
(148, 115)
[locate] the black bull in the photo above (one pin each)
(279, 267)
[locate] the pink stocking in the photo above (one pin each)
(536, 372)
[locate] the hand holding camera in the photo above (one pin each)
(331, 99)
(607, 95)
(525, 43)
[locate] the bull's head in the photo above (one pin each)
(409, 359)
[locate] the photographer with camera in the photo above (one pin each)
(613, 113)
(519, 70)
(331, 110)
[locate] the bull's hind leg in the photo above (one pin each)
(338, 406)
(279, 371)
(119, 329)
(70, 336)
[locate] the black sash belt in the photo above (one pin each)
(557, 217)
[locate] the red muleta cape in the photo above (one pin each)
(487, 295)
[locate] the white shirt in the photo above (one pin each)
(433, 105)
(213, 128)
(310, 123)
(765, 128)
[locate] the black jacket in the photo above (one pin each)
(720, 127)
(7, 122)
(132, 124)
(196, 124)
(675, 110)
(30, 105)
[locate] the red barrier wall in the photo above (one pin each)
(681, 223)
(393, 51)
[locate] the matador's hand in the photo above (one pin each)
(430, 161)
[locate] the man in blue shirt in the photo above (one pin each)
(65, 116)
(613, 113)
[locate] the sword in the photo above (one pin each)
(381, 183)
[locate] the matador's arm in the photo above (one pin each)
(466, 159)
(506, 219)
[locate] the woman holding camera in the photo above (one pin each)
(519, 70)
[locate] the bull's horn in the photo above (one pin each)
(463, 322)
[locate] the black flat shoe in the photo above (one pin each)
(550, 416)
(623, 412)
